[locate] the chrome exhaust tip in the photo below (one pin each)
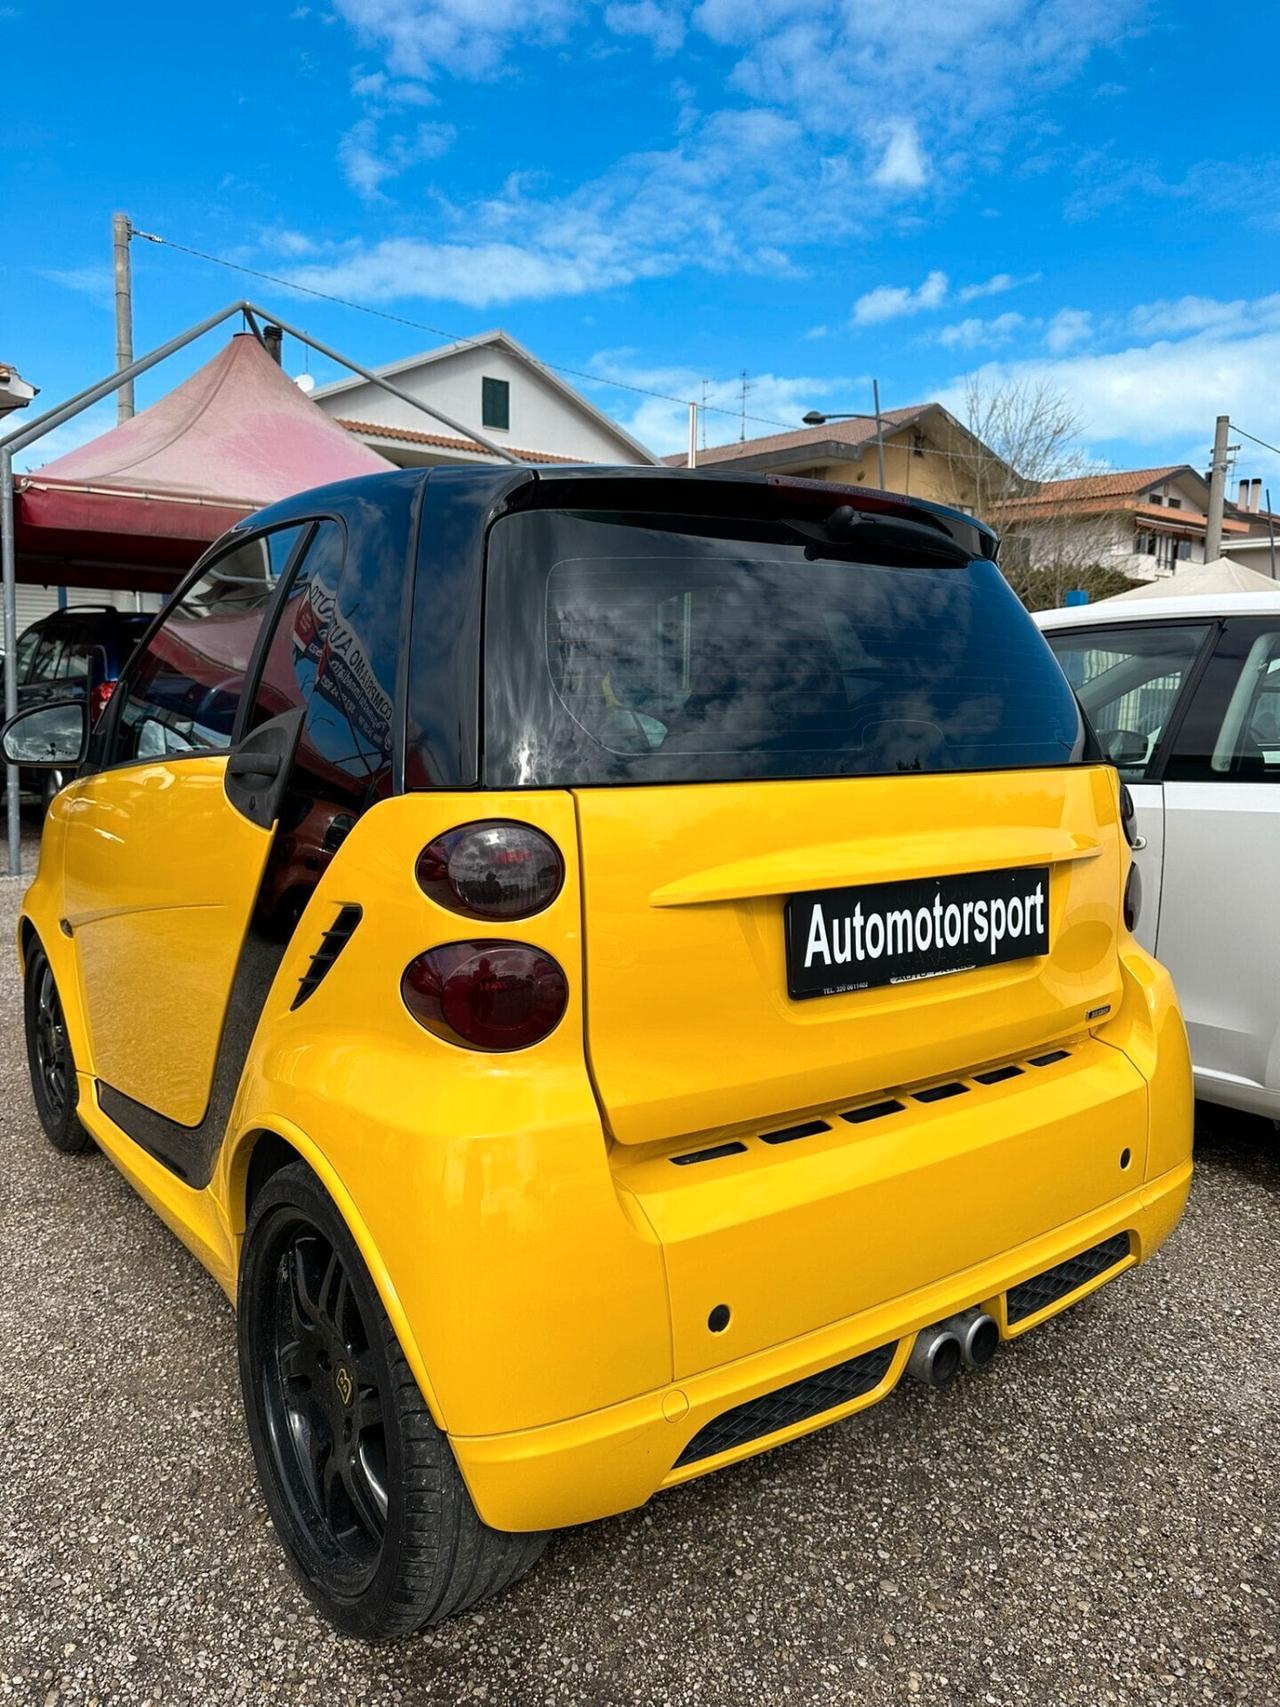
(979, 1337)
(936, 1356)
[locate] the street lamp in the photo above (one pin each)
(816, 418)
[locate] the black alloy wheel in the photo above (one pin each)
(49, 1057)
(323, 1404)
(362, 1487)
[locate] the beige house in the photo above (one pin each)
(927, 454)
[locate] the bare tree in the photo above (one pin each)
(1023, 437)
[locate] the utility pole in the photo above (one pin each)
(121, 231)
(693, 435)
(742, 430)
(1217, 491)
(875, 393)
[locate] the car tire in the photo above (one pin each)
(49, 1058)
(361, 1485)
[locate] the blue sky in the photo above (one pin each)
(667, 193)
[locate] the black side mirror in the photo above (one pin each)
(47, 737)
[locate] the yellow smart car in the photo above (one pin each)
(610, 969)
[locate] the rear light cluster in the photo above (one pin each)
(492, 870)
(1133, 884)
(482, 993)
(99, 699)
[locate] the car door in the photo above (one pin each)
(1220, 921)
(1131, 679)
(167, 838)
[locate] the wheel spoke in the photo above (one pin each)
(365, 1483)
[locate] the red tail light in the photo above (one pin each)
(99, 699)
(492, 870)
(486, 995)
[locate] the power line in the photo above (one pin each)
(440, 332)
(1237, 428)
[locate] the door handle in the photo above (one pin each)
(265, 765)
(1138, 843)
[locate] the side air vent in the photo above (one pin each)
(332, 943)
(1049, 1059)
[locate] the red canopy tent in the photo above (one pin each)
(136, 507)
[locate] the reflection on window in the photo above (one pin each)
(1248, 744)
(183, 695)
(1128, 681)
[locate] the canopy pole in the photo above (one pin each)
(386, 385)
(9, 560)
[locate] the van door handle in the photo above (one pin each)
(1138, 843)
(254, 764)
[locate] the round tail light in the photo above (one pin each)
(486, 995)
(492, 870)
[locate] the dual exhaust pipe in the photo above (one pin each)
(967, 1341)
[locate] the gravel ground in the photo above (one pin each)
(1093, 1520)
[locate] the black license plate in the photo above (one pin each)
(894, 933)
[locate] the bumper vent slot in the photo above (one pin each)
(939, 1093)
(1050, 1058)
(712, 1153)
(1055, 1283)
(998, 1075)
(332, 943)
(873, 1111)
(788, 1134)
(793, 1404)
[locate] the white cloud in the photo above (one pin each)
(904, 165)
(891, 302)
(1190, 314)
(467, 38)
(663, 25)
(477, 274)
(94, 282)
(1164, 393)
(973, 334)
(996, 285)
(367, 162)
(1069, 326)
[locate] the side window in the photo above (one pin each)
(1128, 681)
(1232, 730)
(183, 691)
(48, 658)
(26, 653)
(334, 653)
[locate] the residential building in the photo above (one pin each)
(1139, 522)
(927, 454)
(490, 382)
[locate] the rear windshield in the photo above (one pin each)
(620, 650)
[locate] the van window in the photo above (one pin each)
(628, 651)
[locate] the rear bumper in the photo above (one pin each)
(614, 1459)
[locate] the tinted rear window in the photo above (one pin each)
(623, 651)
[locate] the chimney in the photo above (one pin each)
(273, 342)
(1255, 495)
(1244, 495)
